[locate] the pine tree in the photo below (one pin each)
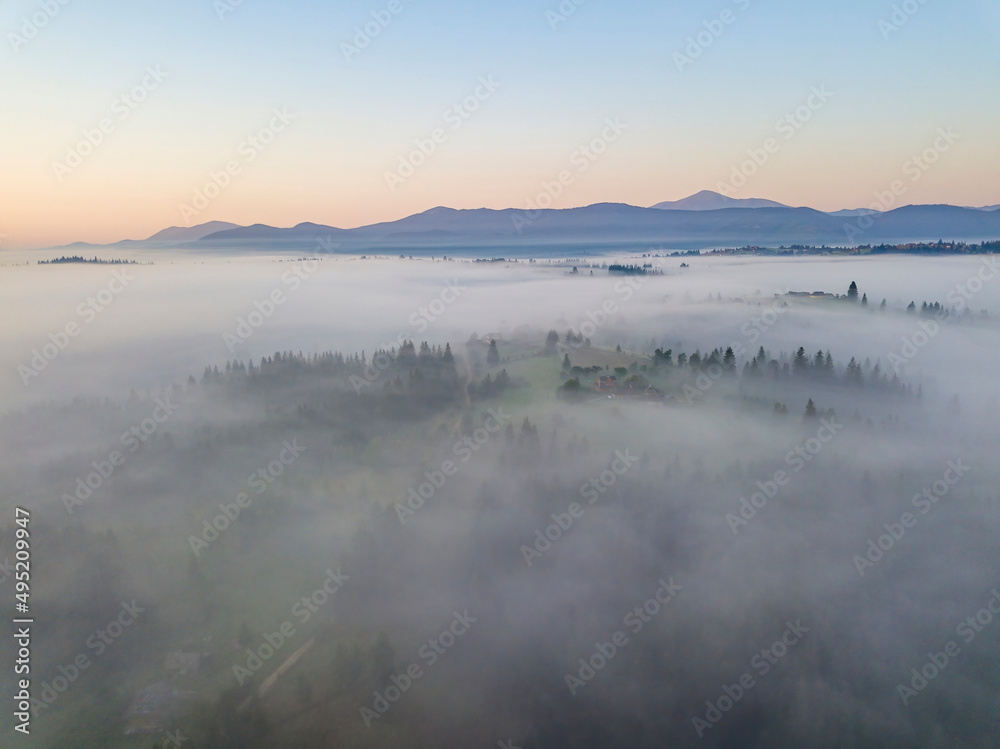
(810, 409)
(852, 292)
(729, 360)
(551, 341)
(801, 362)
(854, 375)
(502, 381)
(493, 355)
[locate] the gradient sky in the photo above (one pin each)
(355, 120)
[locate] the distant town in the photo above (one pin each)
(913, 248)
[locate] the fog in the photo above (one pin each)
(361, 542)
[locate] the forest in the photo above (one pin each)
(553, 537)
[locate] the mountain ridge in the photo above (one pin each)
(457, 231)
(600, 225)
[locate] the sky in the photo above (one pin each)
(279, 113)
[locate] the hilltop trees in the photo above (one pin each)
(729, 360)
(800, 365)
(570, 390)
(663, 357)
(413, 382)
(551, 341)
(854, 374)
(490, 386)
(820, 368)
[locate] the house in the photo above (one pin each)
(812, 294)
(606, 384)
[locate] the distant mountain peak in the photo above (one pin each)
(707, 200)
(440, 209)
(191, 233)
